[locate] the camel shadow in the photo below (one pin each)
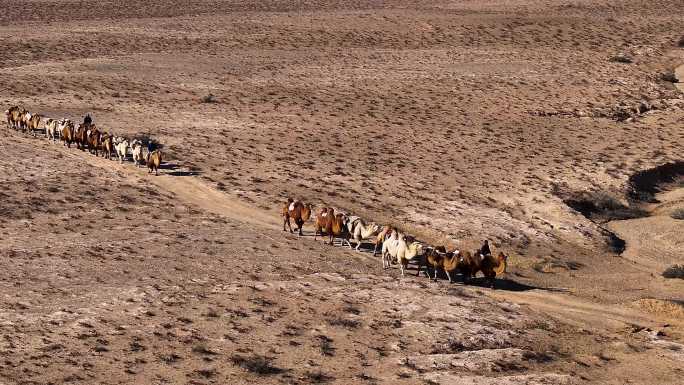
(501, 283)
(174, 169)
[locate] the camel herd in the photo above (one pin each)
(86, 136)
(395, 246)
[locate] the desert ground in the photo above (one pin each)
(555, 129)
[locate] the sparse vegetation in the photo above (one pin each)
(601, 206)
(622, 58)
(209, 98)
(318, 377)
(344, 322)
(674, 271)
(668, 76)
(326, 346)
(256, 364)
(678, 214)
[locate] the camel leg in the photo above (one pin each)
(448, 275)
(401, 266)
(289, 224)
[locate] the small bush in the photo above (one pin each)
(256, 364)
(622, 58)
(668, 76)
(678, 214)
(674, 271)
(209, 99)
(345, 323)
(318, 377)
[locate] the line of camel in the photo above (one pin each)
(395, 246)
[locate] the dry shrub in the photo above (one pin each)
(256, 364)
(678, 214)
(671, 309)
(209, 99)
(622, 58)
(668, 76)
(674, 271)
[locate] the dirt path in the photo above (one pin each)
(580, 312)
(189, 189)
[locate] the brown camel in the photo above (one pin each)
(93, 140)
(489, 265)
(298, 212)
(339, 230)
(324, 219)
(106, 145)
(154, 160)
(68, 134)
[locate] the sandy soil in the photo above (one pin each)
(454, 120)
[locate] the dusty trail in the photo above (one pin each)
(580, 312)
(189, 189)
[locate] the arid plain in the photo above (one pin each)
(552, 128)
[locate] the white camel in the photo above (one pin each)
(360, 231)
(121, 149)
(52, 129)
(395, 247)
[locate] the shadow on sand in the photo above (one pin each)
(173, 169)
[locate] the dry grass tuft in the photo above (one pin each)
(678, 214)
(674, 271)
(258, 365)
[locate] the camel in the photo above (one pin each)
(297, 211)
(380, 238)
(489, 265)
(68, 134)
(51, 130)
(439, 258)
(359, 231)
(93, 140)
(32, 122)
(323, 224)
(154, 160)
(12, 115)
(15, 117)
(339, 230)
(121, 147)
(395, 247)
(137, 151)
(106, 145)
(81, 137)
